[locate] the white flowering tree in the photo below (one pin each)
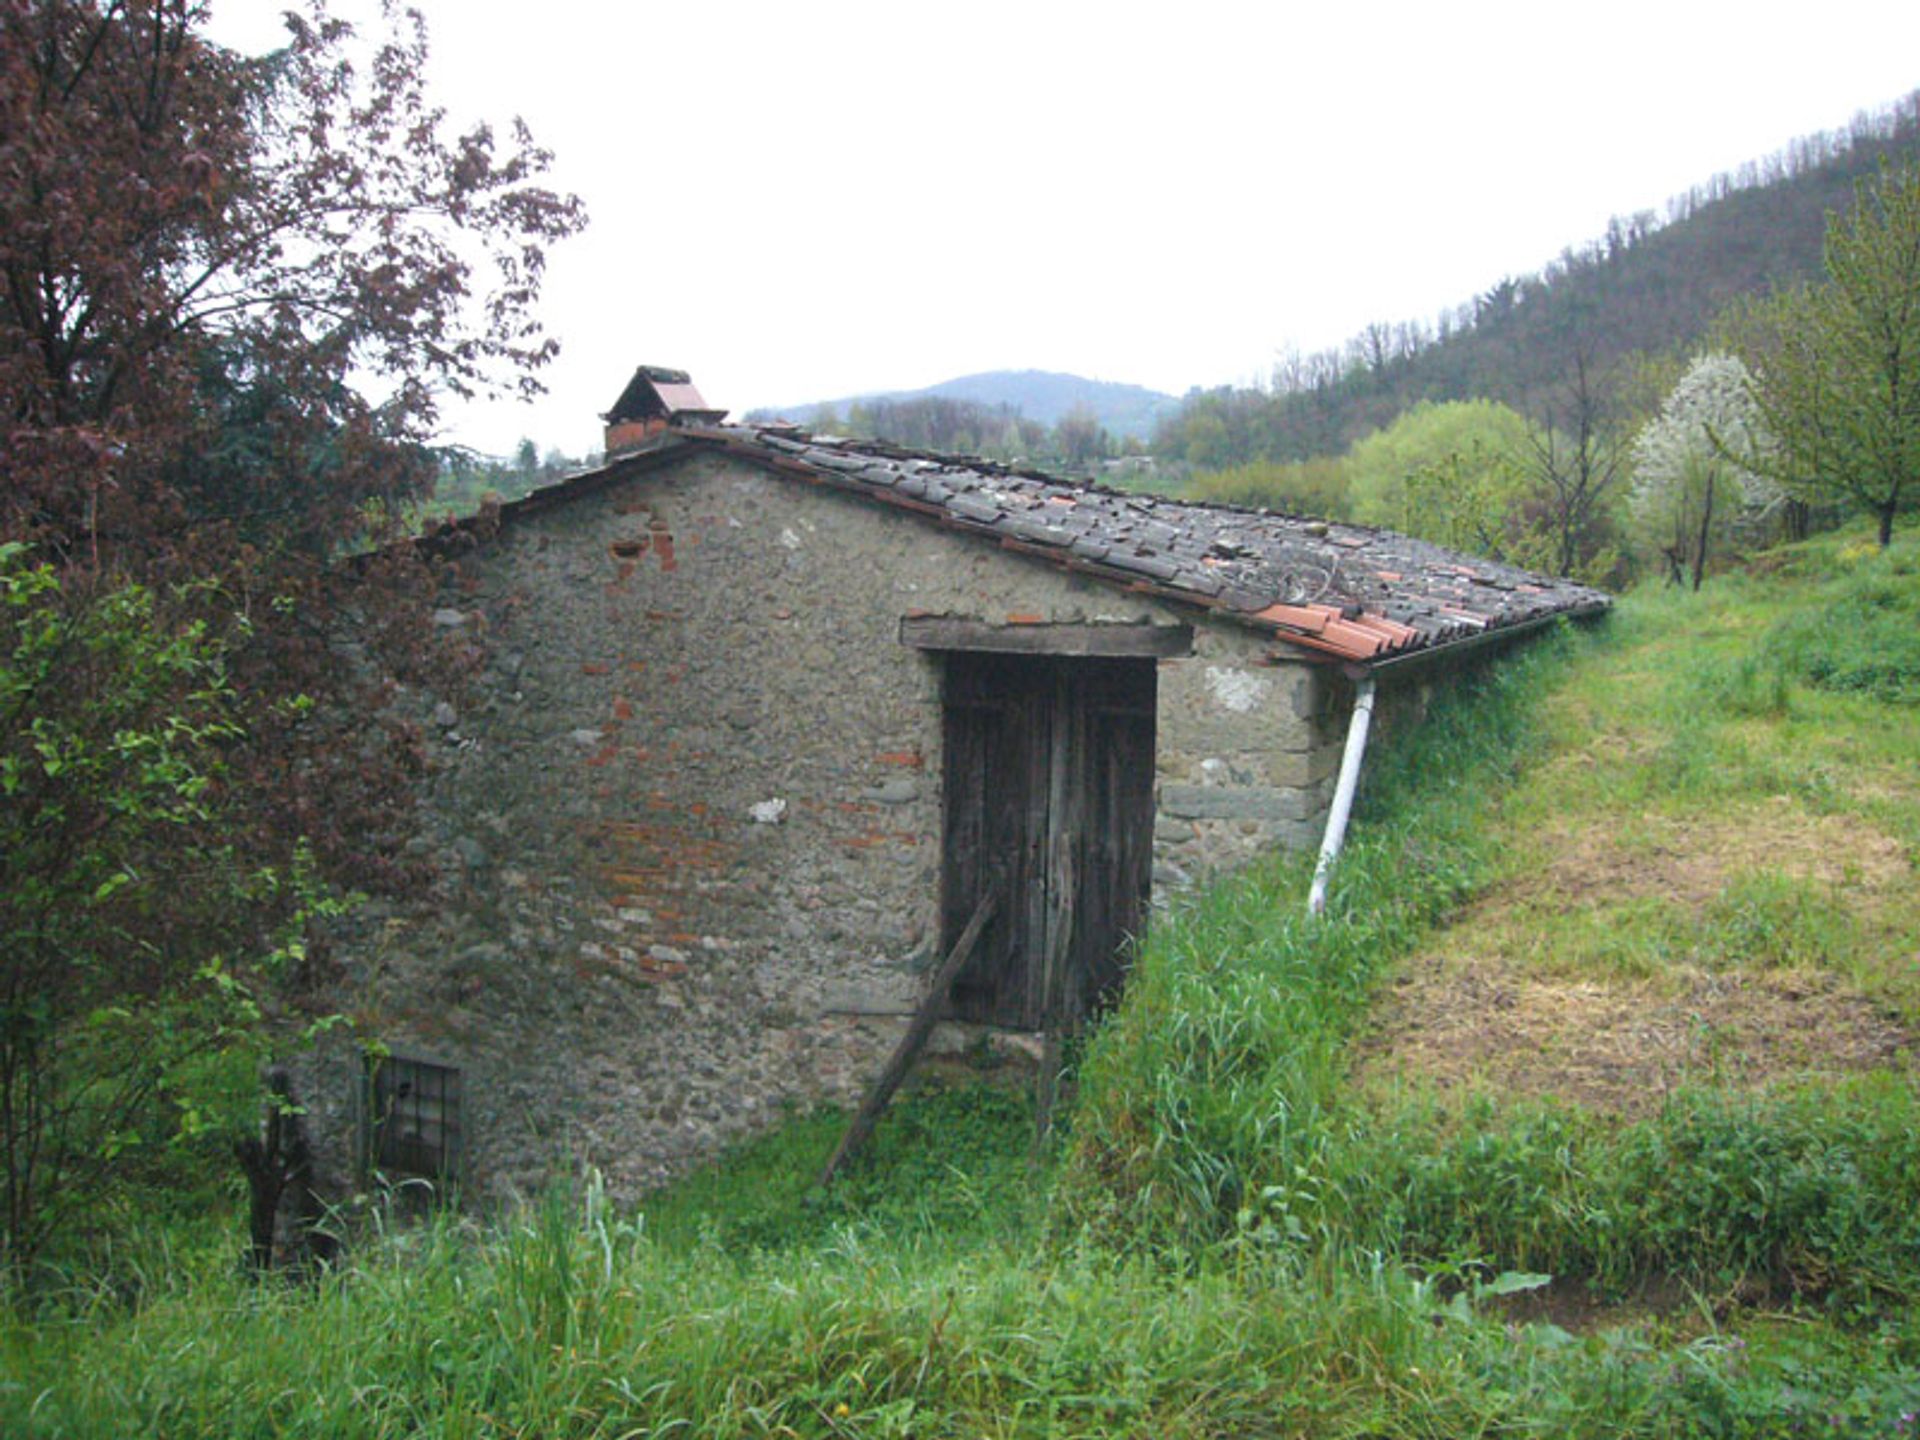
(1689, 490)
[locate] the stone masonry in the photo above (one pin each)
(688, 825)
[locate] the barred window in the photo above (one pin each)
(413, 1117)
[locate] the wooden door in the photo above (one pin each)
(1049, 785)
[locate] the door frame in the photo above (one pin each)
(1097, 688)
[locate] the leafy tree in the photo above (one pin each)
(936, 422)
(1080, 439)
(194, 243)
(233, 293)
(526, 461)
(1469, 438)
(1304, 487)
(1836, 364)
(1479, 503)
(1687, 489)
(1452, 473)
(133, 932)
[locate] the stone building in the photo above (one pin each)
(764, 713)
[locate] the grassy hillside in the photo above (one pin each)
(1589, 1111)
(1677, 960)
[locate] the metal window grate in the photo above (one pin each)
(413, 1113)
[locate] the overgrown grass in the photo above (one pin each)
(1805, 1195)
(572, 1322)
(1858, 631)
(1238, 1241)
(948, 1167)
(1219, 1085)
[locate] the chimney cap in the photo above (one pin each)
(657, 392)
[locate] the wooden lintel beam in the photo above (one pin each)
(949, 632)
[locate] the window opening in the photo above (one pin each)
(413, 1114)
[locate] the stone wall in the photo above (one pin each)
(688, 823)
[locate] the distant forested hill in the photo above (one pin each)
(1650, 285)
(1043, 396)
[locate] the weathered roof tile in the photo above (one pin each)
(1343, 591)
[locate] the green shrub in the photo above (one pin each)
(1861, 633)
(1808, 1195)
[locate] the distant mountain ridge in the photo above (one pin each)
(1045, 396)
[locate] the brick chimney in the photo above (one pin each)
(655, 400)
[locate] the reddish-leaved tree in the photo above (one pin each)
(233, 291)
(207, 259)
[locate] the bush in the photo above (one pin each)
(1807, 1196)
(130, 929)
(1858, 634)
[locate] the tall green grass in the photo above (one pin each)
(1218, 1088)
(949, 1168)
(1807, 1195)
(1861, 630)
(571, 1321)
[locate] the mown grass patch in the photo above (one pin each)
(1699, 807)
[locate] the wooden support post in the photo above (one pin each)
(918, 1029)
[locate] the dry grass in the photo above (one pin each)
(1689, 859)
(1462, 1022)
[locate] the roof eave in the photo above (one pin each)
(1406, 662)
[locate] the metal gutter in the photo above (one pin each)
(1411, 660)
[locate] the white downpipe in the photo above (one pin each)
(1350, 758)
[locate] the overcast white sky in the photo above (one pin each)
(798, 201)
